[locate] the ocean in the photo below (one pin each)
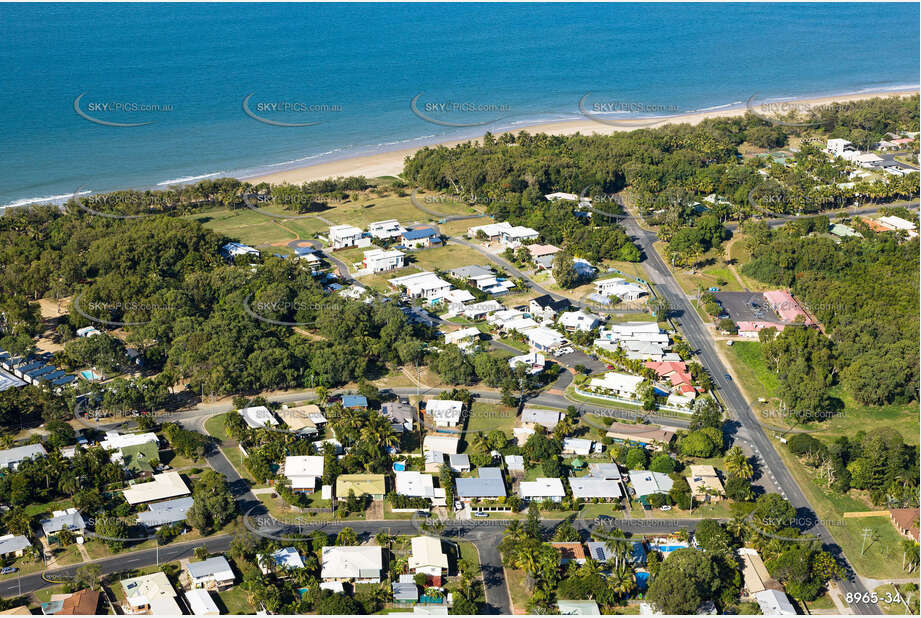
(244, 89)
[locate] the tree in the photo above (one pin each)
(660, 307)
(685, 580)
(662, 463)
(637, 459)
(738, 489)
(737, 464)
(346, 536)
(214, 504)
(700, 443)
(564, 270)
(87, 576)
(706, 413)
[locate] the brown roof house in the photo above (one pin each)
(906, 521)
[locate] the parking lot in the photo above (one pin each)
(747, 307)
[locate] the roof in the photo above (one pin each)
(640, 433)
(755, 575)
(163, 486)
(216, 568)
(515, 462)
(440, 444)
(542, 250)
(168, 512)
(577, 444)
(774, 603)
(468, 272)
(201, 603)
(144, 590)
(546, 418)
(363, 561)
(404, 591)
(373, 484)
(12, 543)
(588, 487)
(344, 230)
(13, 456)
(258, 416)
(299, 417)
(488, 485)
(354, 401)
(906, 520)
(461, 460)
(445, 410)
(81, 603)
(427, 552)
(115, 440)
(417, 234)
(703, 480)
(287, 558)
(17, 611)
(544, 336)
(786, 306)
(413, 483)
(68, 519)
(609, 471)
(618, 381)
(398, 411)
(542, 487)
(299, 466)
(570, 551)
(578, 608)
(646, 483)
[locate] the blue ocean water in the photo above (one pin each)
(364, 63)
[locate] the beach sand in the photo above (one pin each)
(391, 163)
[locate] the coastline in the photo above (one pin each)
(390, 163)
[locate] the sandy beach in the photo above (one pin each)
(391, 163)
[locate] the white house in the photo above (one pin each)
(117, 441)
(463, 338)
(362, 563)
(589, 488)
(531, 417)
(445, 412)
(623, 385)
(774, 603)
(427, 557)
(867, 159)
(201, 603)
(12, 457)
(579, 321)
(303, 472)
(839, 146)
(13, 545)
(233, 249)
(286, 559)
(342, 236)
(414, 484)
(151, 594)
(510, 235)
(543, 489)
(446, 445)
(258, 416)
(898, 223)
(163, 487)
(378, 260)
(646, 483)
(478, 311)
(544, 339)
(534, 362)
(211, 573)
(577, 446)
(390, 228)
(620, 288)
(422, 285)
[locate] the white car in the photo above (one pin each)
(566, 350)
(665, 507)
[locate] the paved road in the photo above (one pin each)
(865, 210)
(748, 429)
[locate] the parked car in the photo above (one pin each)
(458, 506)
(728, 377)
(8, 570)
(480, 514)
(665, 507)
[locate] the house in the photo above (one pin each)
(303, 472)
(13, 545)
(648, 436)
(568, 197)
(12, 457)
(459, 462)
(534, 362)
(520, 324)
(579, 321)
(405, 592)
(400, 414)
(489, 485)
(750, 329)
(867, 159)
(578, 608)
(354, 402)
(213, 573)
(591, 488)
(570, 552)
(544, 339)
(456, 300)
(464, 338)
(257, 416)
(906, 522)
(201, 603)
(414, 484)
(774, 603)
(508, 234)
(379, 260)
(302, 420)
(531, 417)
(422, 285)
(374, 485)
(584, 268)
(445, 412)
(165, 513)
(646, 483)
(428, 558)
(118, 441)
(233, 249)
(422, 237)
(755, 575)
(514, 463)
(150, 594)
(784, 305)
(81, 603)
(546, 308)
(839, 146)
(342, 236)
(542, 489)
(440, 444)
(705, 484)
(620, 384)
(483, 278)
(620, 288)
(478, 311)
(361, 564)
(543, 255)
(284, 559)
(390, 228)
(898, 223)
(577, 446)
(88, 331)
(67, 519)
(839, 229)
(162, 487)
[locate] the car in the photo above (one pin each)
(727, 376)
(458, 506)
(8, 570)
(665, 507)
(480, 514)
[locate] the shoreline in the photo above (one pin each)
(390, 163)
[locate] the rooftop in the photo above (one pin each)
(163, 486)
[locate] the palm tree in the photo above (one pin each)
(480, 443)
(737, 463)
(322, 394)
(622, 580)
(619, 549)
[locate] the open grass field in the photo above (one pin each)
(368, 209)
(252, 228)
(214, 426)
(751, 369)
(486, 417)
(234, 601)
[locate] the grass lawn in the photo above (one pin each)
(448, 257)
(235, 457)
(892, 600)
(517, 589)
(750, 367)
(215, 426)
(486, 417)
(592, 510)
(248, 226)
(518, 345)
(234, 601)
(370, 209)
